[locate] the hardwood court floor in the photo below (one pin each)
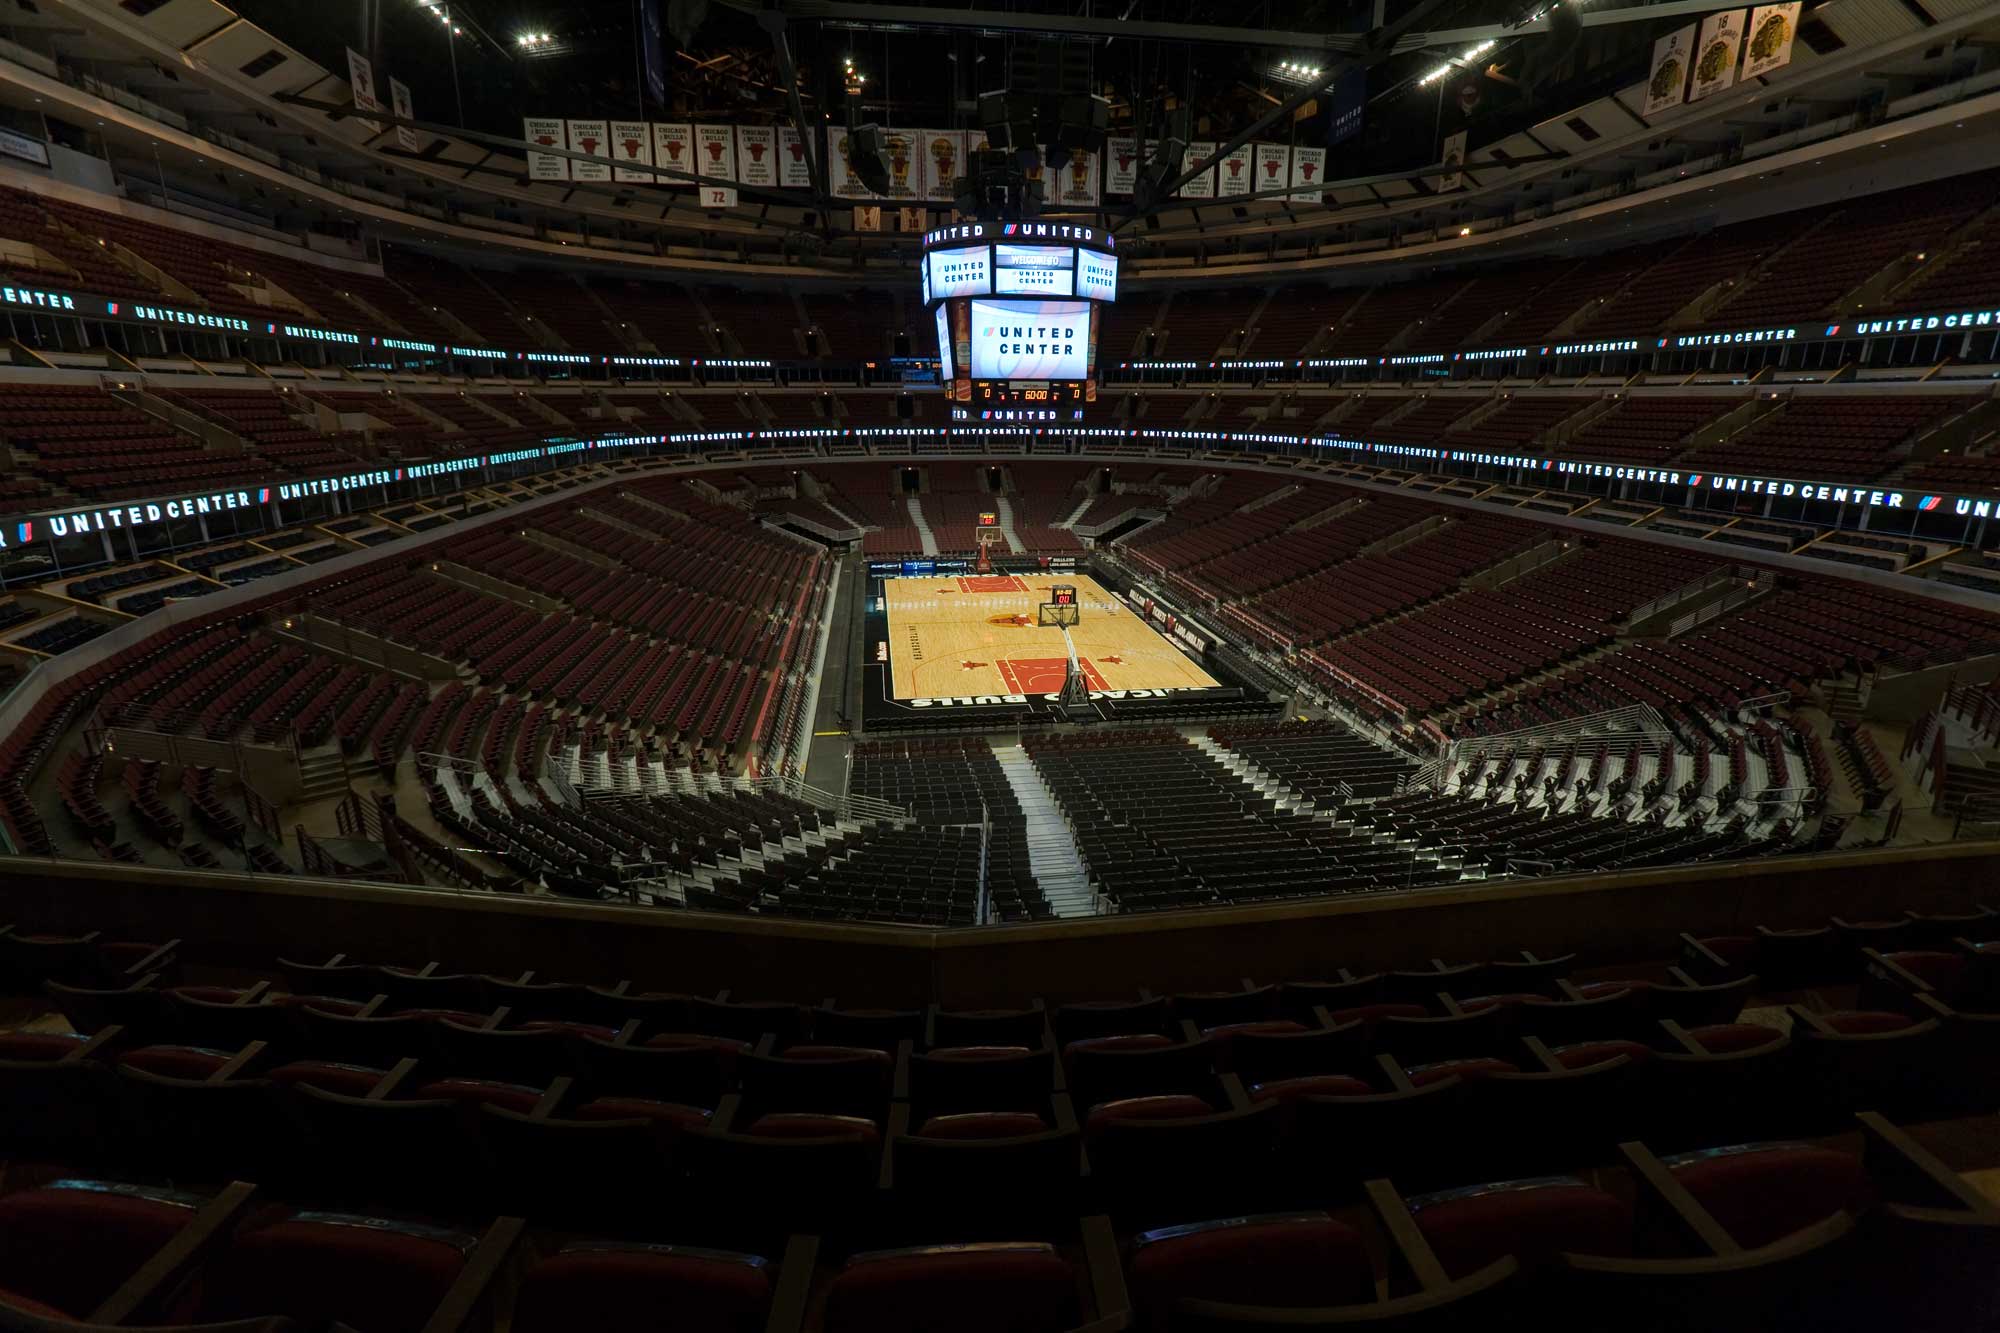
(951, 636)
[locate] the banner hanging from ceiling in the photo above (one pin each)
(592, 138)
(1077, 180)
(1715, 54)
(1673, 58)
(1308, 174)
(673, 148)
(1771, 30)
(407, 137)
(631, 148)
(757, 155)
(1233, 174)
(793, 173)
(1274, 167)
(549, 134)
(1202, 186)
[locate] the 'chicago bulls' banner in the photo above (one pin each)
(1202, 186)
(1121, 165)
(549, 134)
(1274, 167)
(756, 155)
(632, 142)
(673, 146)
(1308, 174)
(792, 172)
(716, 155)
(1232, 173)
(594, 138)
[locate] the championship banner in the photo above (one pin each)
(1308, 175)
(906, 176)
(792, 171)
(1274, 166)
(1666, 85)
(361, 82)
(399, 101)
(840, 178)
(1121, 165)
(1202, 186)
(549, 134)
(1771, 30)
(1076, 179)
(594, 138)
(715, 151)
(1233, 172)
(1715, 58)
(756, 155)
(632, 142)
(673, 147)
(942, 153)
(1454, 156)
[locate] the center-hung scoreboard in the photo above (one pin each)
(1017, 306)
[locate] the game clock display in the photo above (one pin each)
(1028, 393)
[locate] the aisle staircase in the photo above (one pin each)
(1288, 798)
(1005, 513)
(924, 533)
(1052, 854)
(1082, 507)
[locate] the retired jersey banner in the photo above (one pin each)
(549, 134)
(407, 137)
(1274, 166)
(1771, 30)
(1454, 157)
(1202, 186)
(594, 138)
(1673, 58)
(756, 155)
(1121, 165)
(715, 151)
(1233, 173)
(631, 147)
(1076, 180)
(1308, 175)
(1715, 54)
(942, 156)
(792, 171)
(673, 147)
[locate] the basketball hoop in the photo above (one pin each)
(1061, 612)
(989, 538)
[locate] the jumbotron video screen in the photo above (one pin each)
(1017, 306)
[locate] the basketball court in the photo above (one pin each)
(983, 634)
